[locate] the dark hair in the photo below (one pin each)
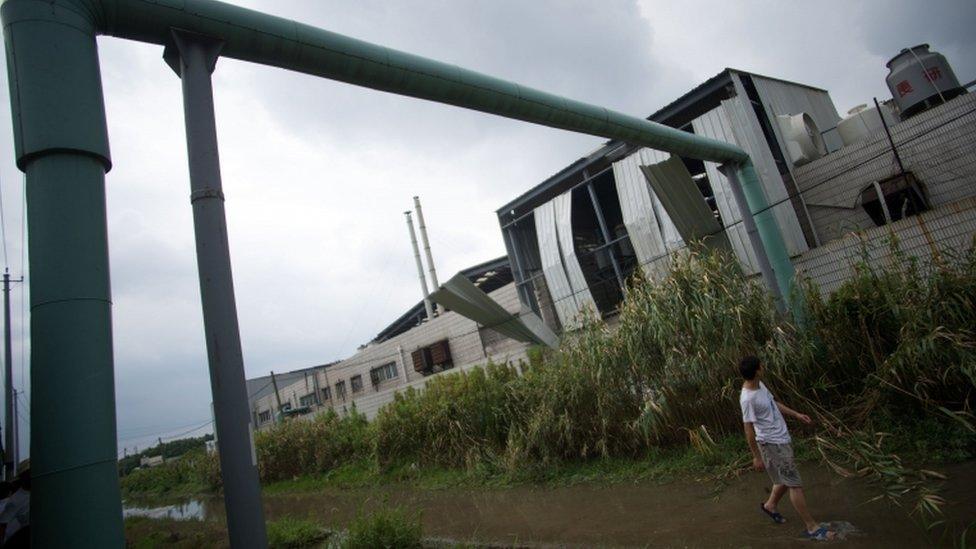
(748, 367)
(6, 489)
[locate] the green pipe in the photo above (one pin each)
(74, 468)
(769, 233)
(62, 146)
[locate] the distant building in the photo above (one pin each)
(404, 354)
(150, 461)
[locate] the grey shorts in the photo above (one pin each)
(778, 459)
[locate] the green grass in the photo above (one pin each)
(384, 528)
(295, 533)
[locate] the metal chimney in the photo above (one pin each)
(426, 243)
(420, 266)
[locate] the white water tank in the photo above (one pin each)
(802, 138)
(920, 79)
(863, 121)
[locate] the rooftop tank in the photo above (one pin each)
(920, 79)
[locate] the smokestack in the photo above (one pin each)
(420, 267)
(426, 243)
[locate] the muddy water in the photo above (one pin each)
(677, 514)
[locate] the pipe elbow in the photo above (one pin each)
(54, 77)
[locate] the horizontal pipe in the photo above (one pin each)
(278, 42)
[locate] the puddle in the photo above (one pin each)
(193, 509)
(678, 514)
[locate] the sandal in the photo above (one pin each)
(820, 534)
(777, 518)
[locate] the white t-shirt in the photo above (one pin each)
(759, 408)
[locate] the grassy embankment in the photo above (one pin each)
(886, 366)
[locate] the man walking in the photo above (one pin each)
(770, 442)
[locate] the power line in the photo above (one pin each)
(184, 433)
(20, 395)
(146, 430)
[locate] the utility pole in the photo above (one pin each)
(10, 445)
(16, 434)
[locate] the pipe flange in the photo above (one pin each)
(206, 193)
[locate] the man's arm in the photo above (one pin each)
(757, 461)
(787, 411)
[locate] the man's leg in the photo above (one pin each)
(775, 495)
(799, 502)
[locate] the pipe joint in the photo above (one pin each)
(202, 194)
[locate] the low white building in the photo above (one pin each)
(405, 354)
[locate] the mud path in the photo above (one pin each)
(676, 514)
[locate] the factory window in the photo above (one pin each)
(340, 388)
(382, 373)
(900, 197)
(326, 393)
(264, 416)
(307, 400)
(357, 383)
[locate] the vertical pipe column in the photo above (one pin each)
(194, 58)
(755, 241)
(770, 237)
(61, 143)
(9, 442)
(430, 258)
(420, 268)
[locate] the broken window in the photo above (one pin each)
(326, 393)
(894, 199)
(357, 383)
(340, 389)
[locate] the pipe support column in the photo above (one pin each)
(193, 58)
(61, 144)
(771, 237)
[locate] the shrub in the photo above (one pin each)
(314, 446)
(294, 533)
(385, 528)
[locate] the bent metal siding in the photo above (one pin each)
(466, 347)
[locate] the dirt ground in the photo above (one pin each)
(675, 514)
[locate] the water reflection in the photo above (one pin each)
(193, 509)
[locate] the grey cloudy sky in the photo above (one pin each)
(318, 173)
